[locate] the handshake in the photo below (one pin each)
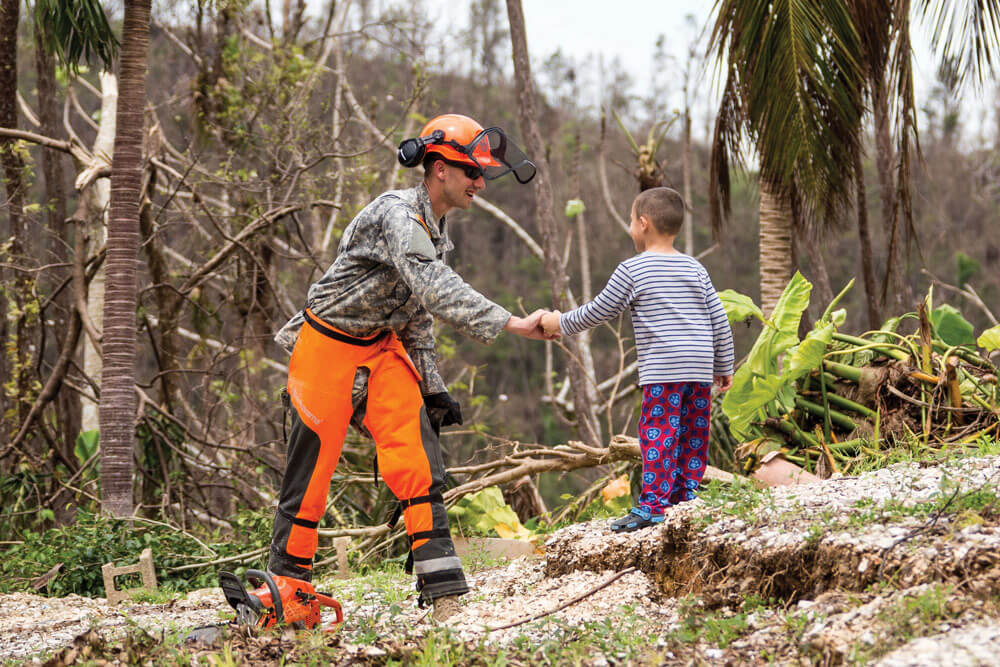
(540, 325)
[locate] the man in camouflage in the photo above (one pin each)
(363, 351)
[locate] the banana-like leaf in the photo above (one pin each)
(807, 355)
(951, 327)
(484, 512)
(739, 307)
(747, 398)
(782, 331)
(759, 381)
(989, 340)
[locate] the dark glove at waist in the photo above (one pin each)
(442, 409)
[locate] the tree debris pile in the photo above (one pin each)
(836, 403)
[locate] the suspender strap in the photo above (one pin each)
(417, 500)
(428, 535)
(305, 523)
(287, 556)
(286, 403)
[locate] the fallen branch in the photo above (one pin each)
(610, 580)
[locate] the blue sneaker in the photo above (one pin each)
(635, 520)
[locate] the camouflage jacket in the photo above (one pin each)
(390, 274)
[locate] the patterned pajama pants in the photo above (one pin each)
(673, 437)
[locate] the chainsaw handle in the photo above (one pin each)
(327, 601)
(279, 611)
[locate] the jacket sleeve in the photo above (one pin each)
(418, 339)
(440, 290)
(289, 333)
(616, 296)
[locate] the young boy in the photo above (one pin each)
(684, 343)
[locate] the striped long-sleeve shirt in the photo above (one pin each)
(681, 330)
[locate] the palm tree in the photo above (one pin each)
(792, 88)
(118, 400)
(798, 74)
(81, 30)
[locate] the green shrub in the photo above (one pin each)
(93, 540)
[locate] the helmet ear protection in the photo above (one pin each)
(411, 151)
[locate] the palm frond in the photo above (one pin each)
(801, 89)
(725, 150)
(907, 138)
(874, 20)
(76, 29)
(967, 31)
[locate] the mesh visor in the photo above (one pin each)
(496, 155)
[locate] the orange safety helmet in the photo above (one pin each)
(459, 132)
(461, 140)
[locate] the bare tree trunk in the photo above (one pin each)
(52, 166)
(103, 147)
(586, 291)
(19, 317)
(118, 398)
(865, 240)
(67, 408)
(547, 222)
(820, 277)
(884, 159)
(13, 165)
(775, 247)
(688, 221)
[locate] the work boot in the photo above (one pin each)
(445, 607)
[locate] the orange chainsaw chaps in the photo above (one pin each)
(320, 380)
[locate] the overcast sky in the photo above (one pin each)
(628, 30)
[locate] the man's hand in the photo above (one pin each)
(550, 324)
(723, 382)
(529, 327)
(442, 410)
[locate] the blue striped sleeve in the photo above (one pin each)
(722, 333)
(616, 296)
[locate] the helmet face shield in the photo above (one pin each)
(496, 155)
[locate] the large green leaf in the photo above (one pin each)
(743, 406)
(989, 340)
(807, 355)
(739, 307)
(481, 512)
(782, 331)
(759, 381)
(951, 327)
(86, 445)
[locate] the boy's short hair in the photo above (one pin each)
(663, 207)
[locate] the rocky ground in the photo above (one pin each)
(900, 566)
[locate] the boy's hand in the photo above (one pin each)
(550, 324)
(529, 327)
(723, 382)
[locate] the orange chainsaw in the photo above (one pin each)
(286, 600)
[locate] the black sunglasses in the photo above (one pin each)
(472, 172)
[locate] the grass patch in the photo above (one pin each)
(906, 619)
(718, 628)
(738, 499)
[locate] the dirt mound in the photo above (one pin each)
(798, 542)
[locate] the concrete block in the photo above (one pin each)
(144, 568)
